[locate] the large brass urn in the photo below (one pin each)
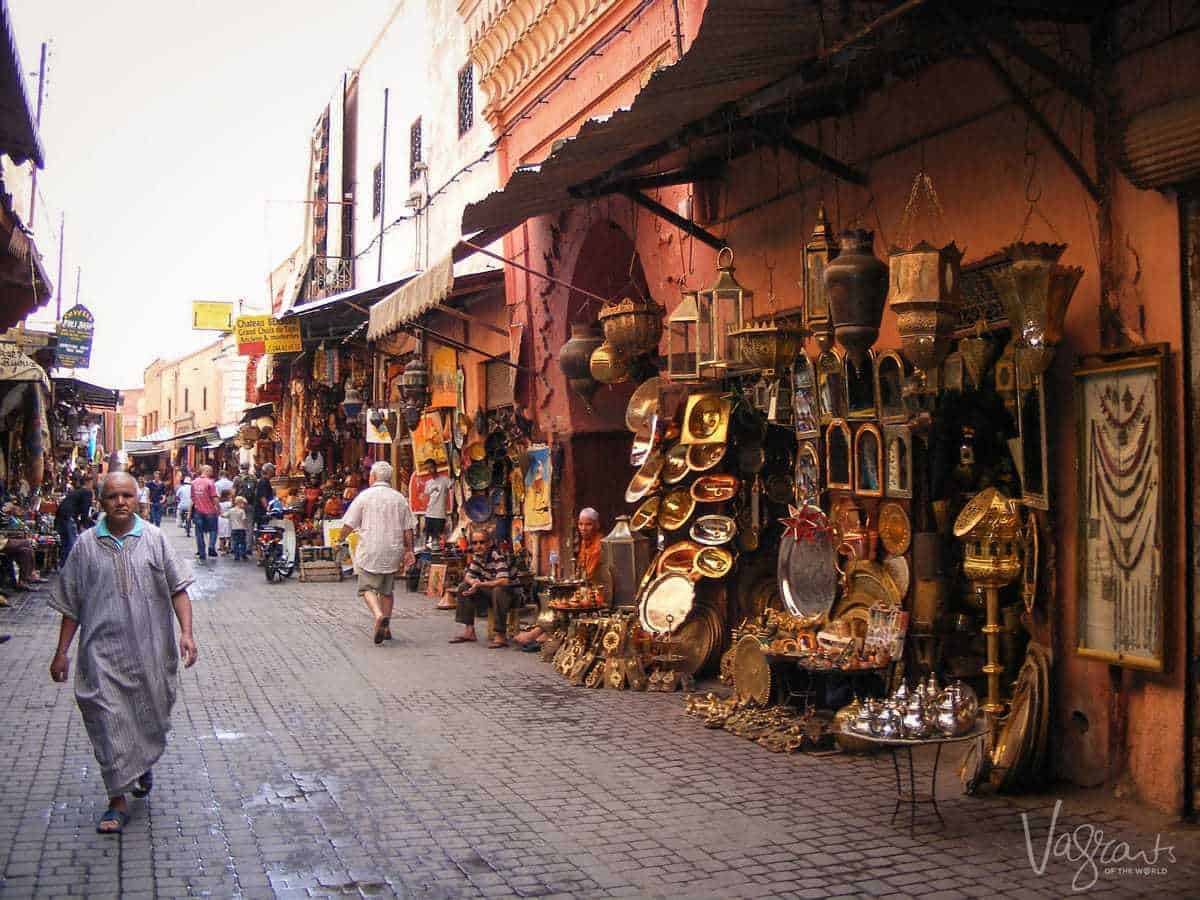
(856, 285)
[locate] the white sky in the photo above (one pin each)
(176, 136)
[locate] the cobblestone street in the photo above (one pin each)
(307, 762)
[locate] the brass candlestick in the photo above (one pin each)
(990, 528)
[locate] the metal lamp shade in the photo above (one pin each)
(722, 309)
(817, 253)
(683, 337)
(628, 556)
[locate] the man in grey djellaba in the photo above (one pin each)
(119, 590)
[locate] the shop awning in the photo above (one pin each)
(429, 290)
(73, 390)
(336, 316)
(143, 448)
(18, 129)
(257, 412)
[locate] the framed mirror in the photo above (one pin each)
(953, 373)
(831, 386)
(868, 461)
(898, 462)
(839, 464)
(804, 399)
(890, 373)
(860, 387)
(1034, 467)
(808, 474)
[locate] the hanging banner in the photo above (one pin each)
(16, 366)
(538, 475)
(75, 332)
(266, 334)
(443, 378)
(381, 426)
(212, 316)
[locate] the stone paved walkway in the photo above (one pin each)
(307, 762)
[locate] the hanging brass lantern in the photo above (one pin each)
(722, 309)
(414, 381)
(817, 253)
(632, 327)
(925, 297)
(769, 345)
(856, 285)
(1036, 291)
(683, 351)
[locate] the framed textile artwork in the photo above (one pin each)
(1122, 488)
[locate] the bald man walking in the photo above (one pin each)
(119, 590)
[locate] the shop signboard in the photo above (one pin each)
(210, 315)
(266, 334)
(75, 332)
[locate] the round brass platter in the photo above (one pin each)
(897, 567)
(714, 488)
(713, 530)
(646, 478)
(695, 640)
(646, 514)
(667, 602)
(676, 508)
(714, 562)
(643, 406)
(702, 457)
(679, 558)
(706, 419)
(895, 531)
(751, 672)
(675, 467)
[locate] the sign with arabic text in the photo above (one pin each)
(266, 334)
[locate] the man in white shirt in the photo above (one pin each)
(223, 484)
(385, 524)
(314, 463)
(437, 500)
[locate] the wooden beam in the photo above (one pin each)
(1032, 112)
(685, 225)
(1003, 33)
(467, 317)
(781, 136)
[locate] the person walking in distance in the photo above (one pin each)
(437, 500)
(118, 591)
(158, 496)
(73, 516)
(236, 516)
(183, 505)
(263, 495)
(205, 509)
(385, 523)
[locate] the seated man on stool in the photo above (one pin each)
(486, 582)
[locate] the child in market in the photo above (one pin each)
(224, 532)
(236, 516)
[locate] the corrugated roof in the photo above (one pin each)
(18, 130)
(741, 47)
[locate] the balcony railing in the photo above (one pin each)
(328, 275)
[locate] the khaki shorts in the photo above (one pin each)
(381, 583)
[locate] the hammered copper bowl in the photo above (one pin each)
(643, 406)
(675, 468)
(706, 420)
(645, 515)
(714, 562)
(676, 508)
(714, 488)
(702, 457)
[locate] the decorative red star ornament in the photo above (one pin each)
(805, 524)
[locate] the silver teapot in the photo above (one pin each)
(890, 722)
(957, 709)
(866, 719)
(916, 723)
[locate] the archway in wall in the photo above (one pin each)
(607, 265)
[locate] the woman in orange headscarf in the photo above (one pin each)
(589, 566)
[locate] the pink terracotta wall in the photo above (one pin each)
(984, 161)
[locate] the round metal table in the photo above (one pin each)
(911, 796)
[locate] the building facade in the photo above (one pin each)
(201, 390)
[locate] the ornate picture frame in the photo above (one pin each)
(868, 461)
(890, 374)
(898, 462)
(831, 386)
(1122, 493)
(805, 407)
(839, 456)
